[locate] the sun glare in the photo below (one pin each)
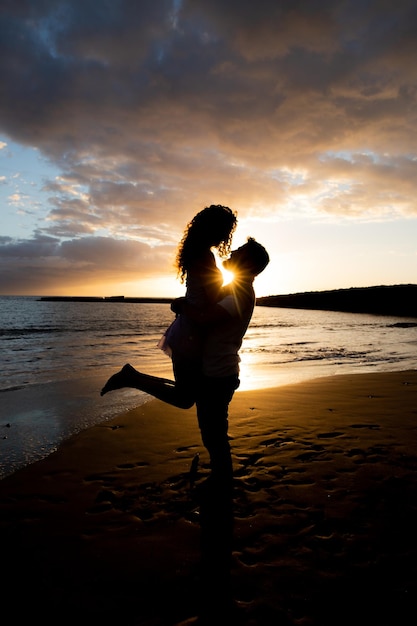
(227, 276)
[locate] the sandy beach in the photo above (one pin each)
(114, 528)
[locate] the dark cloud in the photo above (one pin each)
(151, 110)
(39, 246)
(42, 263)
(122, 77)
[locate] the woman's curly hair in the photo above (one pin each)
(213, 227)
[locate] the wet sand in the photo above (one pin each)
(320, 529)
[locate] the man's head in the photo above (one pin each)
(250, 259)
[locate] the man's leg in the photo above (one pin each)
(216, 506)
(213, 399)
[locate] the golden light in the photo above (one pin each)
(227, 276)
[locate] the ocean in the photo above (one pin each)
(56, 356)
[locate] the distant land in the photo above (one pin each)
(399, 300)
(106, 299)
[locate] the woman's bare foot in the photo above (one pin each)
(124, 378)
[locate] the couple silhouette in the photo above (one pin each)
(205, 338)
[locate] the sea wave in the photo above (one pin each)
(56, 357)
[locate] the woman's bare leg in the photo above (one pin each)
(161, 388)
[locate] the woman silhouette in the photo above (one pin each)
(211, 228)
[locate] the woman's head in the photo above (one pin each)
(213, 227)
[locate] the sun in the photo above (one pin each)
(227, 276)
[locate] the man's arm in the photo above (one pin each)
(210, 315)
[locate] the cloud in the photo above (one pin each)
(88, 260)
(153, 110)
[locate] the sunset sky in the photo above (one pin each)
(120, 120)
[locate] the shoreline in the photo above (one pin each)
(38, 419)
(324, 510)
